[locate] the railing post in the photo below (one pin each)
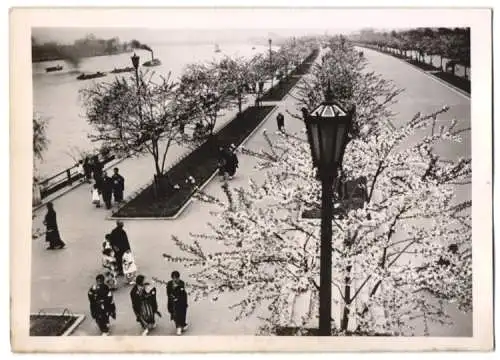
(68, 173)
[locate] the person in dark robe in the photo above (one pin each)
(118, 185)
(107, 190)
(177, 302)
(52, 231)
(119, 241)
(102, 305)
(230, 161)
(280, 119)
(97, 169)
(144, 304)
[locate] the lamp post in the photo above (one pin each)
(271, 61)
(135, 62)
(328, 128)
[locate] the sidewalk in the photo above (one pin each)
(60, 279)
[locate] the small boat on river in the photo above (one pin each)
(54, 68)
(217, 49)
(91, 76)
(153, 62)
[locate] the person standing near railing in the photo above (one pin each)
(97, 168)
(87, 169)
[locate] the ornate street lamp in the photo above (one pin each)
(328, 127)
(135, 62)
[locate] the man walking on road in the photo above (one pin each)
(118, 185)
(119, 242)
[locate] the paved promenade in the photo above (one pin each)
(60, 279)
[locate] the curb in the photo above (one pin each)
(429, 74)
(201, 187)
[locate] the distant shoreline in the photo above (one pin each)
(58, 58)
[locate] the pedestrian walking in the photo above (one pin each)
(144, 304)
(228, 162)
(52, 235)
(97, 171)
(96, 196)
(280, 119)
(87, 169)
(109, 264)
(118, 185)
(177, 302)
(80, 170)
(102, 305)
(119, 242)
(107, 190)
(129, 267)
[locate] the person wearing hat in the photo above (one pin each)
(119, 241)
(144, 304)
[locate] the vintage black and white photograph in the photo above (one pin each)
(264, 180)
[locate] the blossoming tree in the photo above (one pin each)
(397, 259)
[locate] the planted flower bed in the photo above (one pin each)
(200, 164)
(50, 325)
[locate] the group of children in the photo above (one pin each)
(112, 268)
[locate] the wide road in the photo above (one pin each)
(424, 94)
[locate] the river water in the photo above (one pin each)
(56, 94)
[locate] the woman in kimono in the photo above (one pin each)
(52, 232)
(144, 304)
(102, 305)
(177, 302)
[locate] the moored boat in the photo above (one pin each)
(122, 70)
(90, 76)
(54, 68)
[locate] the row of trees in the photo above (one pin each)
(151, 114)
(447, 43)
(389, 254)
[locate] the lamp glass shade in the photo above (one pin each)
(327, 129)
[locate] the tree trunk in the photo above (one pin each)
(239, 103)
(441, 57)
(347, 296)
